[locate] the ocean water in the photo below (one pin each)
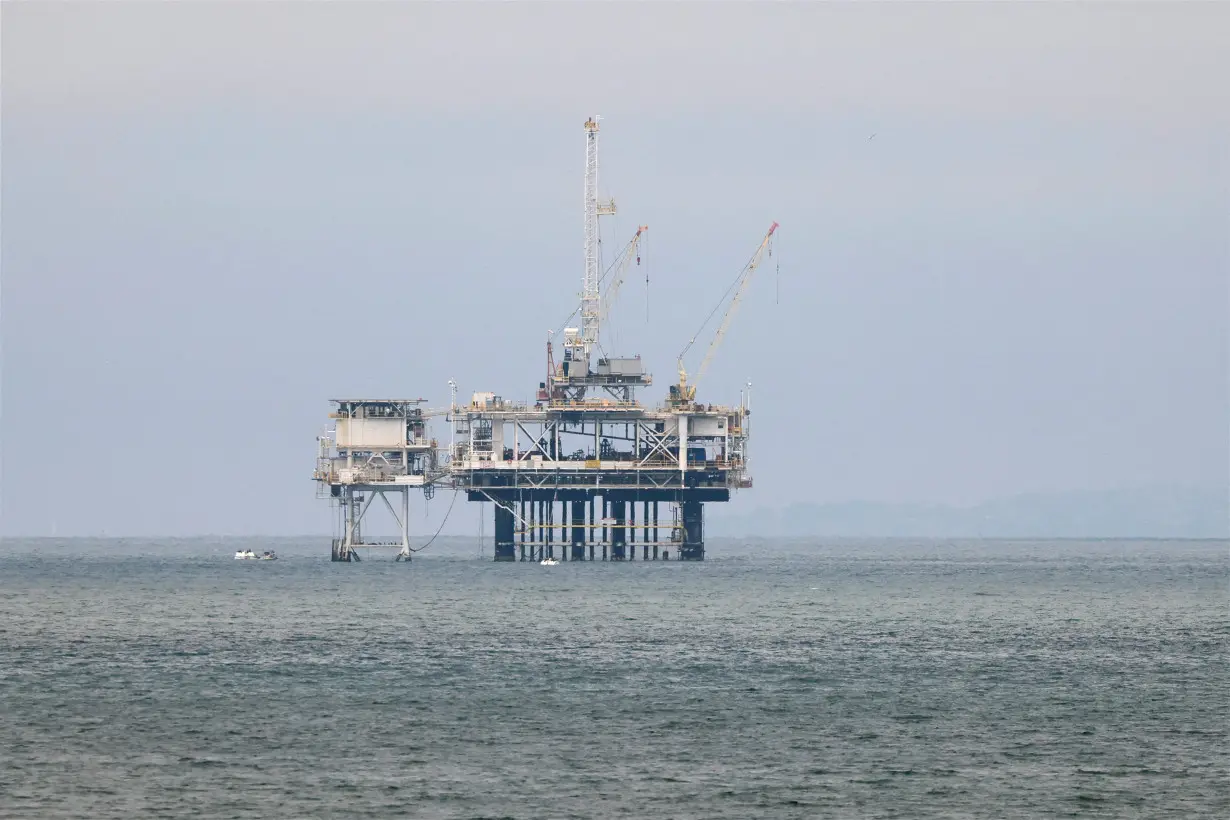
(786, 679)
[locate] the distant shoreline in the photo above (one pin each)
(1141, 513)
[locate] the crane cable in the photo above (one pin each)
(719, 304)
(622, 253)
(442, 523)
(733, 285)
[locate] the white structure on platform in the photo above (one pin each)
(377, 448)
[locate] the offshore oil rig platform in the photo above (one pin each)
(579, 475)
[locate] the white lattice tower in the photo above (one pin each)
(590, 296)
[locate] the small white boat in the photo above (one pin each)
(269, 555)
(548, 562)
(245, 555)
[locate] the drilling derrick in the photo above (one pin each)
(589, 284)
(577, 376)
(584, 472)
(579, 344)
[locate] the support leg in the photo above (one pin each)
(619, 534)
(693, 547)
(342, 546)
(578, 530)
(405, 521)
(504, 550)
(593, 528)
(589, 529)
(404, 555)
(631, 530)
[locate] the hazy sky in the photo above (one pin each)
(218, 216)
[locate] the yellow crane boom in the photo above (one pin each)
(617, 271)
(683, 392)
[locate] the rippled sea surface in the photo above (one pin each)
(778, 679)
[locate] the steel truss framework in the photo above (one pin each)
(377, 448)
(572, 525)
(355, 502)
(560, 477)
(575, 390)
(571, 478)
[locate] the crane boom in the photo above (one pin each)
(745, 277)
(617, 271)
(683, 392)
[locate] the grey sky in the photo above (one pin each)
(217, 216)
